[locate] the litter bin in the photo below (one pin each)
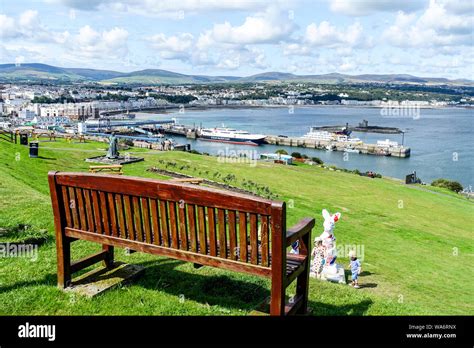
(23, 139)
(34, 149)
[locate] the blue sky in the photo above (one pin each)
(243, 37)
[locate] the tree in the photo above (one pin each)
(296, 155)
(448, 184)
(317, 160)
(281, 152)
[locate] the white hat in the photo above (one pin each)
(352, 253)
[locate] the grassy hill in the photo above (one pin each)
(42, 72)
(417, 244)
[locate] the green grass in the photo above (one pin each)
(418, 248)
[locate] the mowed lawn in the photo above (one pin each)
(417, 244)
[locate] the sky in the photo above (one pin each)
(432, 38)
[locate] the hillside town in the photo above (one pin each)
(80, 102)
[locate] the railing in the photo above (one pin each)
(8, 136)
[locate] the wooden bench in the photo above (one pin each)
(195, 181)
(114, 168)
(197, 224)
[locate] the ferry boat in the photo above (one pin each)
(341, 137)
(230, 135)
(351, 150)
(387, 143)
(319, 135)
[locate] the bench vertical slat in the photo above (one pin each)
(173, 224)
(211, 218)
(137, 218)
(264, 234)
(97, 217)
(232, 235)
(164, 224)
(183, 234)
(222, 233)
(104, 211)
(113, 215)
(121, 216)
(81, 210)
(129, 218)
(192, 227)
(202, 230)
(146, 220)
(67, 205)
(73, 206)
(155, 221)
(253, 238)
(243, 236)
(90, 212)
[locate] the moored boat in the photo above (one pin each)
(230, 135)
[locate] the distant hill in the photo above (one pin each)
(35, 72)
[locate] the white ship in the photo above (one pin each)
(230, 135)
(387, 143)
(315, 134)
(319, 135)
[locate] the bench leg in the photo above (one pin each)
(64, 262)
(277, 301)
(109, 258)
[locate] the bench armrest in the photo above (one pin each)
(300, 229)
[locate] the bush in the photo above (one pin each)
(449, 184)
(281, 152)
(317, 160)
(128, 142)
(304, 156)
(296, 155)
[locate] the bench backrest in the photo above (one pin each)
(195, 223)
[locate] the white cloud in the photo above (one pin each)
(436, 27)
(166, 8)
(324, 34)
(89, 43)
(7, 27)
(173, 47)
(265, 27)
(367, 7)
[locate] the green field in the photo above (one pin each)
(418, 249)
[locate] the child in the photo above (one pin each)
(355, 269)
